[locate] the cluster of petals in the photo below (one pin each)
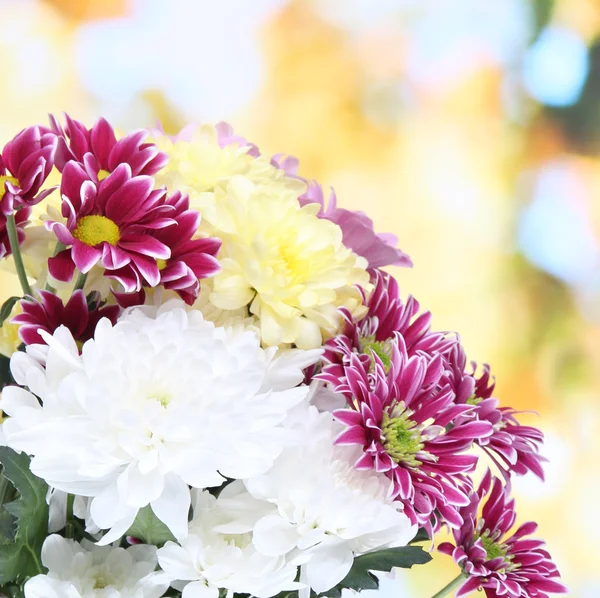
(141, 412)
(409, 428)
(25, 163)
(21, 221)
(512, 447)
(503, 564)
(88, 571)
(79, 315)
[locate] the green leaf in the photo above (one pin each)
(5, 375)
(148, 528)
(20, 558)
(7, 308)
(360, 576)
(422, 536)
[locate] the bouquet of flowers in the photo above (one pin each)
(211, 388)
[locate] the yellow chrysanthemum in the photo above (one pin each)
(288, 266)
(200, 164)
(9, 338)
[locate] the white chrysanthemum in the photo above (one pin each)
(89, 571)
(155, 404)
(211, 561)
(324, 506)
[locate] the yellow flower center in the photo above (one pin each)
(102, 174)
(162, 264)
(93, 230)
(6, 179)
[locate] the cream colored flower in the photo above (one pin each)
(280, 260)
(9, 337)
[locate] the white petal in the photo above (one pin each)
(177, 562)
(137, 489)
(173, 505)
(273, 536)
(328, 566)
(199, 589)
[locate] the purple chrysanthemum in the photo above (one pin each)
(25, 163)
(407, 423)
(387, 315)
(512, 447)
(99, 153)
(79, 315)
(21, 221)
(505, 566)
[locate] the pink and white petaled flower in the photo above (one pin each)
(512, 447)
(387, 315)
(49, 313)
(99, 152)
(407, 424)
(503, 565)
(111, 223)
(25, 163)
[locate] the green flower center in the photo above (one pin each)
(402, 437)
(161, 264)
(382, 349)
(6, 179)
(473, 400)
(93, 230)
(493, 549)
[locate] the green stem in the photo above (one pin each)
(453, 585)
(80, 281)
(69, 528)
(13, 238)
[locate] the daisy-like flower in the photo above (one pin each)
(79, 315)
(209, 560)
(290, 268)
(98, 151)
(323, 510)
(191, 258)
(503, 564)
(25, 163)
(379, 249)
(21, 220)
(410, 429)
(512, 447)
(89, 571)
(161, 401)
(387, 315)
(111, 223)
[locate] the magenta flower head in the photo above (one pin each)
(79, 315)
(513, 448)
(191, 259)
(111, 222)
(387, 315)
(99, 153)
(21, 220)
(504, 565)
(358, 233)
(406, 423)
(25, 164)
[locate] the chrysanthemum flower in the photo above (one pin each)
(289, 267)
(209, 560)
(379, 249)
(149, 407)
(21, 220)
(504, 565)
(387, 315)
(48, 313)
(99, 153)
(88, 571)
(319, 507)
(111, 223)
(25, 163)
(512, 447)
(191, 258)
(409, 428)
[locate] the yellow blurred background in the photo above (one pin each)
(470, 128)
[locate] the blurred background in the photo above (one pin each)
(470, 128)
